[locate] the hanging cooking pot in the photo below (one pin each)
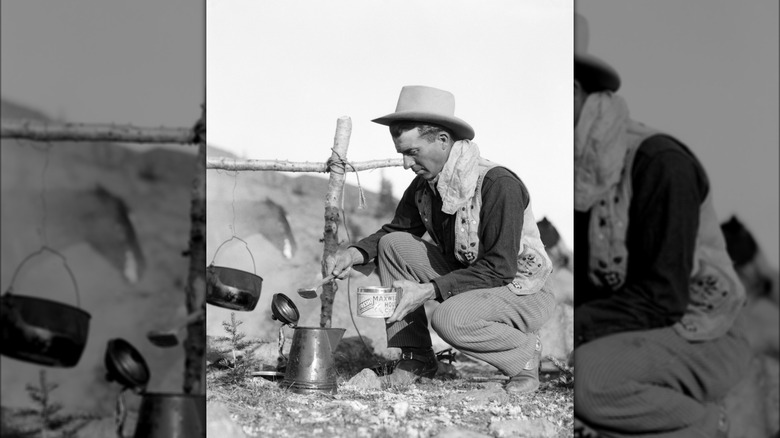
(232, 288)
(43, 331)
(125, 365)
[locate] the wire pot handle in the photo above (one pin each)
(246, 245)
(64, 264)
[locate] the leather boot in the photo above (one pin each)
(414, 364)
(527, 380)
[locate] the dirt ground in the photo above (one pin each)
(468, 397)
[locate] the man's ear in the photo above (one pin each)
(444, 138)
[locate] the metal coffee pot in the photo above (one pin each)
(311, 367)
(171, 416)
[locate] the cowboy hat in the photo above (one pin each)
(419, 103)
(593, 73)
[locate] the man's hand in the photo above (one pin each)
(340, 264)
(413, 296)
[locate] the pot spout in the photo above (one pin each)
(334, 337)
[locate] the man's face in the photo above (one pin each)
(425, 158)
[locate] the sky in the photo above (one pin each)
(280, 74)
(706, 72)
(95, 61)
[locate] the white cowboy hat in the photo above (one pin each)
(418, 103)
(593, 73)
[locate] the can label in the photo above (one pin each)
(377, 302)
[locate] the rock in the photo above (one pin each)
(353, 404)
(537, 428)
(557, 334)
(400, 409)
(383, 416)
(455, 432)
(759, 321)
(365, 379)
(561, 284)
(412, 432)
(402, 379)
(752, 404)
(218, 422)
(492, 385)
(262, 381)
(268, 352)
(479, 397)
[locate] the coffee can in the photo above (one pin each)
(377, 301)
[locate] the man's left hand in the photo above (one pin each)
(414, 295)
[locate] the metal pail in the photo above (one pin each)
(311, 367)
(171, 416)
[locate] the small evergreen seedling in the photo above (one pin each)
(45, 419)
(239, 358)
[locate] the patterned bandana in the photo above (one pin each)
(458, 179)
(599, 147)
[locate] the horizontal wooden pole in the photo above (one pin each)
(290, 166)
(45, 131)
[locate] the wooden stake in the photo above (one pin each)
(332, 212)
(195, 344)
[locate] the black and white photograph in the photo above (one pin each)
(377, 235)
(389, 235)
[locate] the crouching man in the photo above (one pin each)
(487, 266)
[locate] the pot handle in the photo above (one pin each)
(64, 264)
(246, 245)
(120, 413)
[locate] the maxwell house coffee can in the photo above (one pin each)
(377, 301)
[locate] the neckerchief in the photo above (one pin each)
(599, 147)
(458, 179)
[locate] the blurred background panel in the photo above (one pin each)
(119, 213)
(706, 72)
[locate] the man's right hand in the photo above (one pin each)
(340, 264)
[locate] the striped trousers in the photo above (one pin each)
(493, 325)
(655, 383)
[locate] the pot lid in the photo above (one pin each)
(283, 310)
(125, 365)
